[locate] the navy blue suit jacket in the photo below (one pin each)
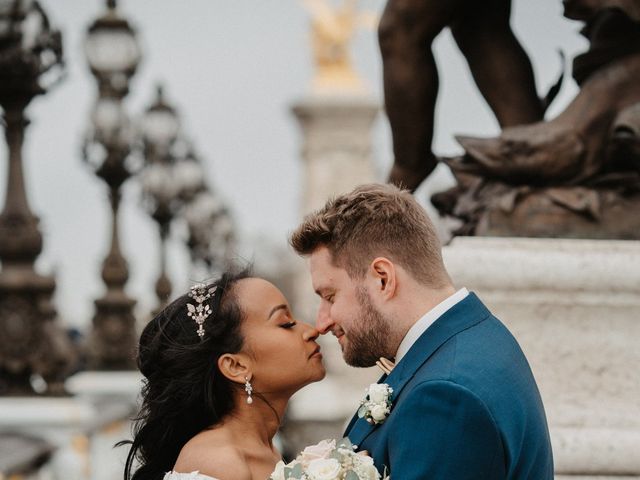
(465, 406)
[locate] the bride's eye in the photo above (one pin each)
(288, 325)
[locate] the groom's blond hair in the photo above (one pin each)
(370, 221)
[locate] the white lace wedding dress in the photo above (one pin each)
(187, 476)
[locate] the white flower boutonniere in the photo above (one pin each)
(375, 407)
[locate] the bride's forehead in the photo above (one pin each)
(257, 292)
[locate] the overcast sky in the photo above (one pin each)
(233, 69)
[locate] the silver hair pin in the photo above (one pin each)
(200, 312)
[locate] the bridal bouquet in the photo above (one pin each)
(328, 460)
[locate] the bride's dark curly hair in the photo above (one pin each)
(184, 393)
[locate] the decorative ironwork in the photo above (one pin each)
(31, 342)
(113, 54)
(160, 128)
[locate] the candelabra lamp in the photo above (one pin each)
(113, 55)
(31, 342)
(160, 127)
(211, 233)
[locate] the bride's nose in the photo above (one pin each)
(310, 333)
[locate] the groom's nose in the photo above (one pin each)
(323, 320)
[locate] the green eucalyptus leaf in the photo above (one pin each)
(338, 456)
(351, 475)
(345, 443)
(297, 471)
(293, 473)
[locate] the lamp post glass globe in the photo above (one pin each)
(160, 125)
(189, 176)
(158, 182)
(204, 207)
(32, 27)
(111, 123)
(112, 51)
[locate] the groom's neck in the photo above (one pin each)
(414, 302)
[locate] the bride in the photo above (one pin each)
(220, 365)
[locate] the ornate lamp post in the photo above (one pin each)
(113, 54)
(160, 127)
(189, 174)
(30, 341)
(211, 232)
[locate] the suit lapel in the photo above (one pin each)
(355, 417)
(465, 314)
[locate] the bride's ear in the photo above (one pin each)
(235, 367)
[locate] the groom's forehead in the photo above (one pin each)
(329, 280)
(321, 262)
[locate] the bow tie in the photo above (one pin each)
(385, 365)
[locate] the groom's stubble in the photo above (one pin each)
(368, 338)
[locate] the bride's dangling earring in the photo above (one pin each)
(249, 389)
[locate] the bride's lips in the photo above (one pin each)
(316, 353)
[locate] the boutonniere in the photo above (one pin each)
(375, 407)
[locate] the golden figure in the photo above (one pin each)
(332, 29)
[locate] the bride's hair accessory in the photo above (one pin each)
(249, 389)
(200, 312)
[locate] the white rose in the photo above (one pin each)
(370, 472)
(321, 450)
(362, 459)
(324, 469)
(365, 467)
(378, 393)
(379, 412)
(278, 473)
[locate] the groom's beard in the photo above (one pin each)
(369, 336)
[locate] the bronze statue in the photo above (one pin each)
(499, 65)
(577, 175)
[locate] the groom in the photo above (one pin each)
(465, 404)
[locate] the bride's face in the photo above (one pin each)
(285, 356)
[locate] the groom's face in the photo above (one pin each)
(346, 311)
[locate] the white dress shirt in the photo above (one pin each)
(426, 321)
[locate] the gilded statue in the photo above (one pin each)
(332, 30)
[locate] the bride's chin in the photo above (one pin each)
(318, 375)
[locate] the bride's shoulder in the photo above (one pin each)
(210, 461)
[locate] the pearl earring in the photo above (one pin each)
(249, 389)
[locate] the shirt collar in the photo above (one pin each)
(426, 321)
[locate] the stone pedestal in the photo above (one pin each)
(22, 456)
(84, 428)
(336, 147)
(337, 156)
(574, 307)
(114, 396)
(62, 423)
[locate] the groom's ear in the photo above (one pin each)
(235, 367)
(383, 272)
